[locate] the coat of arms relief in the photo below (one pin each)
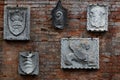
(17, 23)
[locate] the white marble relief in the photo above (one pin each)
(97, 18)
(28, 63)
(16, 23)
(80, 53)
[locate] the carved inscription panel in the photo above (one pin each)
(16, 23)
(59, 16)
(80, 53)
(97, 18)
(28, 63)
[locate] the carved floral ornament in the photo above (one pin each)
(97, 17)
(28, 63)
(80, 53)
(59, 16)
(16, 23)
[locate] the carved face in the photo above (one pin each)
(97, 16)
(16, 23)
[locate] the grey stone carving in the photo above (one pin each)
(80, 53)
(59, 16)
(97, 17)
(28, 63)
(16, 23)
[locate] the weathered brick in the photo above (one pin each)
(46, 40)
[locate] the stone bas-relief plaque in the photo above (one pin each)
(17, 23)
(59, 16)
(97, 18)
(28, 63)
(80, 53)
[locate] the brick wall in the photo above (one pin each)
(1, 35)
(46, 40)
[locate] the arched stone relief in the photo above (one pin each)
(59, 16)
(97, 17)
(80, 53)
(28, 63)
(16, 23)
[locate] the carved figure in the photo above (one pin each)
(59, 16)
(28, 63)
(97, 18)
(80, 53)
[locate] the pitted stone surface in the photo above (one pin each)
(28, 63)
(97, 18)
(16, 23)
(59, 16)
(80, 53)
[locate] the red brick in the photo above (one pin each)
(46, 40)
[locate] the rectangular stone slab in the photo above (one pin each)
(16, 23)
(80, 53)
(28, 63)
(97, 18)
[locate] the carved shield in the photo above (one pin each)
(16, 21)
(27, 63)
(97, 17)
(59, 16)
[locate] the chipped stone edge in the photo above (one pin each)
(5, 22)
(105, 28)
(62, 67)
